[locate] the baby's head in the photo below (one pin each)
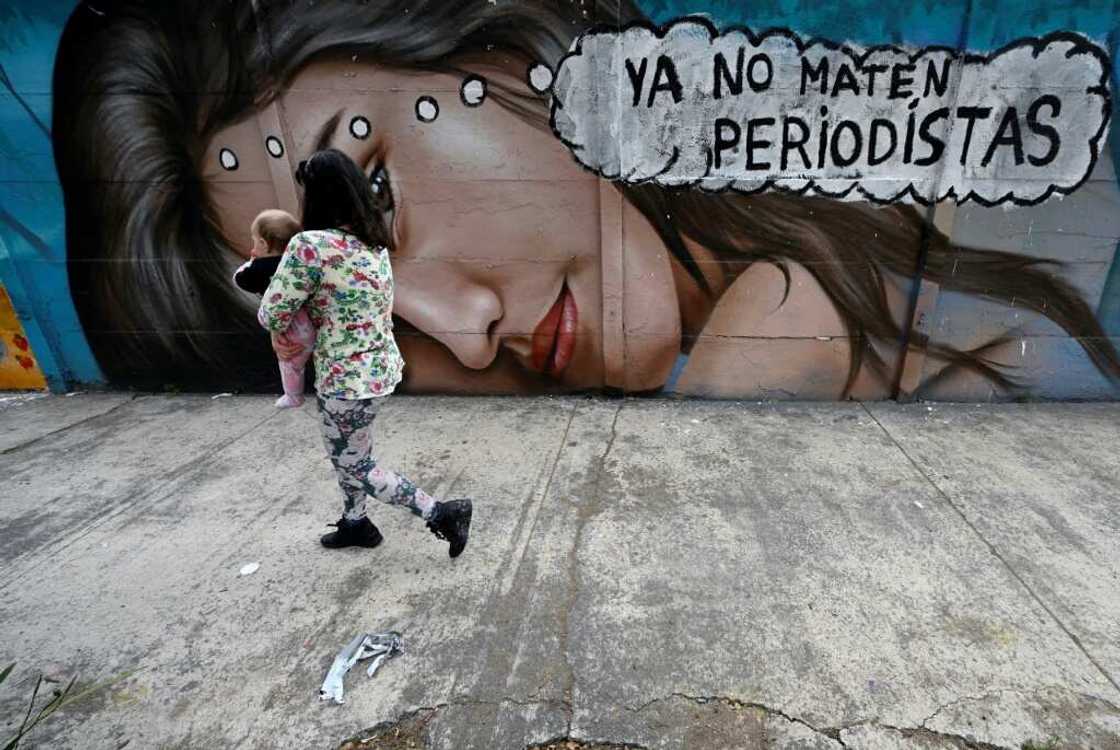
(271, 231)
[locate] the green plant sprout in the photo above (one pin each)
(61, 697)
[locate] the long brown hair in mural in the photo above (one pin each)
(174, 122)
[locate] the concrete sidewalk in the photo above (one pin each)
(651, 574)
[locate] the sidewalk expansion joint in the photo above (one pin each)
(1032, 693)
(586, 510)
(565, 742)
(921, 733)
(836, 734)
(422, 715)
(993, 549)
(833, 734)
(135, 397)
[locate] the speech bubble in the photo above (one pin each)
(685, 105)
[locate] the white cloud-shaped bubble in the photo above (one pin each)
(684, 105)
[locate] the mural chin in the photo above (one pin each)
(702, 234)
(653, 286)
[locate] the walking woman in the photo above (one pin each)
(338, 270)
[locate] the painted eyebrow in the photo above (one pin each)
(326, 133)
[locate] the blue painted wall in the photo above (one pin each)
(32, 231)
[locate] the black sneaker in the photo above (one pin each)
(360, 533)
(451, 521)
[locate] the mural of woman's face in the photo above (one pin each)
(495, 228)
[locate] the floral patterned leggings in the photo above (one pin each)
(346, 431)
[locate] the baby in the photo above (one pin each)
(270, 232)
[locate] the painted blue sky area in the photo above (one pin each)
(28, 187)
(32, 224)
(29, 31)
(990, 23)
(863, 21)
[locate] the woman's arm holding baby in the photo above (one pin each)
(297, 278)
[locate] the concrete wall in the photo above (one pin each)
(130, 176)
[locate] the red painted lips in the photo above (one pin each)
(554, 338)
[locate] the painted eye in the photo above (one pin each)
(382, 189)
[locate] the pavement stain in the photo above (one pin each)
(410, 733)
(979, 630)
(563, 744)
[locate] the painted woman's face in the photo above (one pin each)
(495, 228)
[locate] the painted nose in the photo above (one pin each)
(458, 312)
